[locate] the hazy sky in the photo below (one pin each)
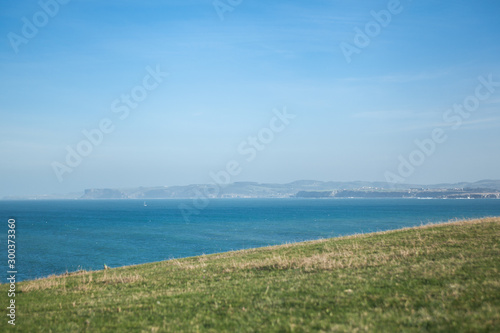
(364, 80)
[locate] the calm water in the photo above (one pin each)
(59, 236)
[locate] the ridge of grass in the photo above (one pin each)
(437, 278)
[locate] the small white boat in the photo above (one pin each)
(145, 204)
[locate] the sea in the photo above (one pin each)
(59, 236)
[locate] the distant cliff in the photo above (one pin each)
(435, 194)
(103, 194)
(315, 194)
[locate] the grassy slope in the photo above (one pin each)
(434, 278)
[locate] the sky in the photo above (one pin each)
(116, 94)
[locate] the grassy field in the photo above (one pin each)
(440, 278)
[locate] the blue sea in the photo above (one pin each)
(53, 237)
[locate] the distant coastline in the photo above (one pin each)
(483, 189)
(467, 193)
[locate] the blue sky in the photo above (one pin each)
(225, 77)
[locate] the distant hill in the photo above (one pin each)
(297, 188)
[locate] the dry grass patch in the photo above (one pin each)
(88, 281)
(114, 278)
(91, 283)
(50, 282)
(325, 261)
(188, 265)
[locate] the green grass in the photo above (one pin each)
(440, 278)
